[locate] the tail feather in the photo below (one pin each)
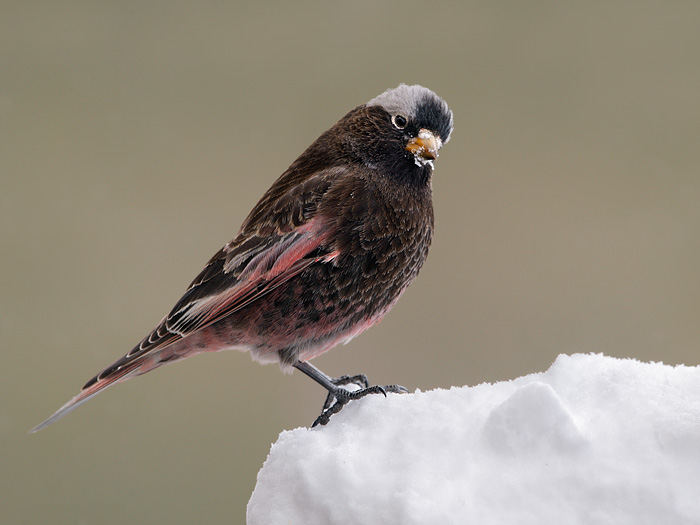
(112, 376)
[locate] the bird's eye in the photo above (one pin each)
(399, 121)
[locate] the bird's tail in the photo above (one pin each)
(123, 369)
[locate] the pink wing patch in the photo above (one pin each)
(268, 269)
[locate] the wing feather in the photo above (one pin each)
(283, 235)
(268, 251)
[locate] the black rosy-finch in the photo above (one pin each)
(324, 255)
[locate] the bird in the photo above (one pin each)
(324, 255)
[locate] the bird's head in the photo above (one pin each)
(401, 131)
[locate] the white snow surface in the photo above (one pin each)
(593, 439)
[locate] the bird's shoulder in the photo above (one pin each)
(284, 213)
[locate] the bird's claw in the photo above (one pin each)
(343, 397)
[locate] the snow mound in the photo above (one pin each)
(592, 440)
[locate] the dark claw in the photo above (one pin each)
(343, 397)
(396, 389)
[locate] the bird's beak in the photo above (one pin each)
(425, 146)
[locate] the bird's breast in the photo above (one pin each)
(382, 233)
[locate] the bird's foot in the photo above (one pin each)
(343, 396)
(360, 380)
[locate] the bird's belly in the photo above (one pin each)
(308, 315)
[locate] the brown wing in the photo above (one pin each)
(270, 249)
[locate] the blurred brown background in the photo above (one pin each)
(135, 137)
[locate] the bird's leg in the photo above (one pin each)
(341, 395)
